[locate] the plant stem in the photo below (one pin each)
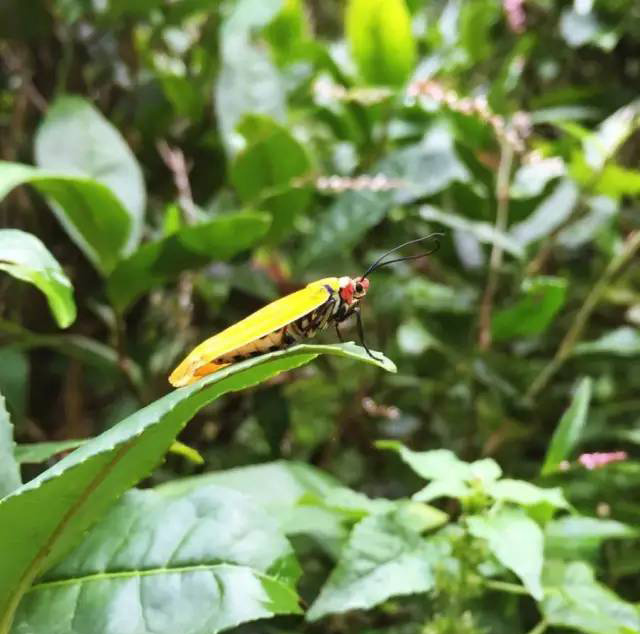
(505, 586)
(495, 261)
(629, 249)
(540, 628)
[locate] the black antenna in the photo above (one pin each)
(379, 262)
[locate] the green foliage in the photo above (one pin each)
(202, 159)
(168, 569)
(9, 472)
(569, 428)
(27, 259)
(379, 33)
(89, 211)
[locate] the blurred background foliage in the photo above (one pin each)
(202, 158)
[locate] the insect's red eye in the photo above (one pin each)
(359, 288)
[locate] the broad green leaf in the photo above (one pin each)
(248, 83)
(602, 145)
(289, 483)
(443, 488)
(550, 214)
(483, 231)
(439, 298)
(414, 339)
(574, 599)
(526, 494)
(424, 168)
(531, 179)
(289, 31)
(623, 342)
(264, 173)
(381, 40)
(185, 562)
(85, 349)
(91, 214)
(23, 256)
(246, 17)
(583, 27)
(9, 470)
(601, 212)
(344, 223)
(73, 493)
(616, 181)
(517, 543)
(567, 433)
(34, 453)
(77, 140)
(442, 464)
(37, 452)
(383, 558)
(14, 380)
(573, 537)
(531, 315)
(155, 263)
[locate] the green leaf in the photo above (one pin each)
(531, 179)
(517, 543)
(381, 40)
(38, 452)
(89, 351)
(602, 145)
(580, 28)
(76, 139)
(622, 342)
(573, 537)
(550, 214)
(155, 263)
(248, 83)
(289, 483)
(263, 173)
(344, 224)
(526, 494)
(9, 470)
(89, 212)
(531, 315)
(442, 464)
(383, 558)
(14, 381)
(73, 493)
(431, 296)
(183, 562)
(567, 433)
(483, 231)
(426, 167)
(23, 256)
(34, 453)
(574, 599)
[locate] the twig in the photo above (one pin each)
(174, 159)
(495, 261)
(505, 586)
(629, 249)
(540, 628)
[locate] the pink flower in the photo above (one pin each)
(600, 459)
(516, 17)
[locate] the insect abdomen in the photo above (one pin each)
(303, 328)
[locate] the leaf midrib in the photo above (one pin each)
(24, 584)
(125, 574)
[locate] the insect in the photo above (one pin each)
(288, 320)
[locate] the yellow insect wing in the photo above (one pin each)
(200, 361)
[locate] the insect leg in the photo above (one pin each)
(361, 335)
(337, 325)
